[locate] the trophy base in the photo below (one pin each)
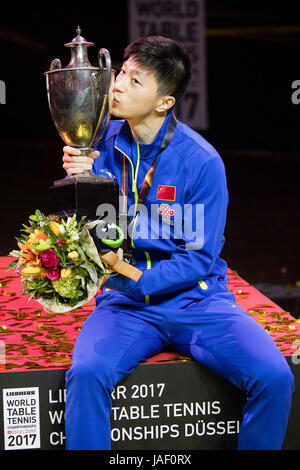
(84, 196)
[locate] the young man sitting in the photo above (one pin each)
(182, 299)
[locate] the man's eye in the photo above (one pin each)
(135, 80)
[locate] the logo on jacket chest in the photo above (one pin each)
(166, 193)
(166, 213)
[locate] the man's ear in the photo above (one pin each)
(165, 103)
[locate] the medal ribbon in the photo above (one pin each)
(146, 185)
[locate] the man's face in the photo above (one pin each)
(135, 92)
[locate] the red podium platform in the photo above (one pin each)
(169, 402)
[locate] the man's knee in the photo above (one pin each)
(91, 372)
(277, 378)
(282, 377)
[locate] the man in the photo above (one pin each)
(182, 299)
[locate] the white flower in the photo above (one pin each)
(75, 235)
(62, 230)
(71, 224)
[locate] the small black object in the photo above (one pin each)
(83, 196)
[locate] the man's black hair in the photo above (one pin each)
(167, 59)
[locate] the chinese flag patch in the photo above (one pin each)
(166, 193)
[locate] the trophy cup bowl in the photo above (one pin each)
(78, 96)
(79, 103)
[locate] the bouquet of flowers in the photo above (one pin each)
(58, 262)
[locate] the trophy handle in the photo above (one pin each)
(55, 64)
(105, 66)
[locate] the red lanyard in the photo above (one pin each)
(146, 185)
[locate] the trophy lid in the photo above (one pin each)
(79, 56)
(79, 40)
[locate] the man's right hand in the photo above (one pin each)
(78, 164)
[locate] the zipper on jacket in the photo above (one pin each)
(134, 175)
(134, 189)
(134, 178)
(136, 198)
(147, 297)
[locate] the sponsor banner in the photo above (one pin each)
(21, 418)
(184, 22)
(171, 406)
(150, 410)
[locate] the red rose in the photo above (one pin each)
(49, 259)
(53, 274)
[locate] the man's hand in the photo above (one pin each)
(74, 163)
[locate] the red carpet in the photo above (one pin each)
(35, 339)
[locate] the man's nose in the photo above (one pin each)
(120, 83)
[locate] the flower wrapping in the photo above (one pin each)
(58, 262)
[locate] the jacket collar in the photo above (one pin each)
(124, 140)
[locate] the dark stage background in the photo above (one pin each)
(253, 57)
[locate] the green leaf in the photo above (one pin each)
(42, 247)
(51, 236)
(27, 291)
(91, 270)
(21, 240)
(12, 264)
(81, 223)
(82, 280)
(80, 251)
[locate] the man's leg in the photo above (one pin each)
(109, 346)
(227, 340)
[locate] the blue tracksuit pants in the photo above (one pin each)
(215, 331)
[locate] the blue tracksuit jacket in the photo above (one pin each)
(189, 178)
